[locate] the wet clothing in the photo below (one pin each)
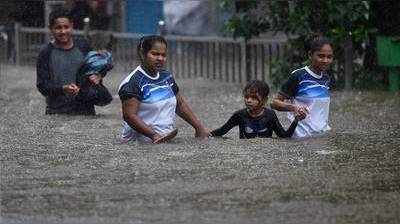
(251, 127)
(306, 88)
(157, 97)
(57, 67)
(95, 62)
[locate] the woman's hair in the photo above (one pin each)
(317, 42)
(258, 87)
(146, 43)
(58, 13)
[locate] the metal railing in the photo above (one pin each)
(218, 58)
(3, 44)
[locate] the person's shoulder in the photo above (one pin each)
(299, 71)
(44, 51)
(82, 44)
(80, 41)
(326, 76)
(46, 47)
(165, 73)
(135, 74)
(269, 112)
(133, 77)
(241, 112)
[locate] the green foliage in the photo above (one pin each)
(292, 58)
(302, 19)
(245, 22)
(241, 25)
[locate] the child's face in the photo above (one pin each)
(155, 58)
(322, 58)
(253, 101)
(62, 30)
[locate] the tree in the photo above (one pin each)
(347, 23)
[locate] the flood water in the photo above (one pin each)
(63, 169)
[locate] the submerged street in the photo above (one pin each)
(73, 169)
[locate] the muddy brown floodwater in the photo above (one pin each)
(62, 169)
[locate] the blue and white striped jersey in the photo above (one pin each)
(306, 88)
(157, 101)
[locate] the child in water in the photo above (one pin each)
(96, 64)
(256, 120)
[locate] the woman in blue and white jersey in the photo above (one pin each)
(306, 92)
(150, 97)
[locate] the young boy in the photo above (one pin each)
(256, 120)
(57, 67)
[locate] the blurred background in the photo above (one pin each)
(227, 40)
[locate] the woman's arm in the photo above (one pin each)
(130, 108)
(185, 112)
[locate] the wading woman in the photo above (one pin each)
(151, 99)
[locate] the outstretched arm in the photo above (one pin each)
(185, 112)
(280, 132)
(280, 103)
(232, 122)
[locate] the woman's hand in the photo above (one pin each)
(203, 133)
(156, 138)
(185, 112)
(130, 109)
(165, 137)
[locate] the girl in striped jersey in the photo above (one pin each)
(306, 92)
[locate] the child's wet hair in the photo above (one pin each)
(147, 42)
(58, 13)
(258, 87)
(317, 42)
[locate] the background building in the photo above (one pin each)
(188, 17)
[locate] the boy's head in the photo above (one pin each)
(257, 89)
(60, 25)
(59, 13)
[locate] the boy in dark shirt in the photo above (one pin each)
(256, 120)
(57, 68)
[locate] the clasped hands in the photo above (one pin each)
(300, 112)
(73, 89)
